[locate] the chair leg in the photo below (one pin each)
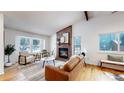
(19, 59)
(54, 62)
(25, 61)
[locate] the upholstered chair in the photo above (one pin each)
(45, 53)
(25, 57)
(38, 56)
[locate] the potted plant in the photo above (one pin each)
(9, 49)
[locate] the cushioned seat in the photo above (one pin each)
(112, 62)
(73, 61)
(25, 57)
(70, 71)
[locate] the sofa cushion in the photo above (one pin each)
(115, 58)
(71, 63)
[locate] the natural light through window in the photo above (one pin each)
(77, 45)
(30, 44)
(111, 42)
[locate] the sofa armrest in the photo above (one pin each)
(55, 74)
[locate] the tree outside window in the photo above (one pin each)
(30, 44)
(112, 42)
(36, 45)
(24, 44)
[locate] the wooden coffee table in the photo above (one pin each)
(47, 59)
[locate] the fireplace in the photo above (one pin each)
(64, 49)
(63, 53)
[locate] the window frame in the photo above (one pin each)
(18, 39)
(34, 45)
(118, 47)
(75, 45)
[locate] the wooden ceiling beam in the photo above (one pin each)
(86, 15)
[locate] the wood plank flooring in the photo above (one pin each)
(95, 73)
(88, 73)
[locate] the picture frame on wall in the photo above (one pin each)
(62, 39)
(66, 37)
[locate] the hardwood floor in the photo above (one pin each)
(88, 73)
(12, 74)
(95, 73)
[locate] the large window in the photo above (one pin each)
(121, 41)
(36, 46)
(77, 45)
(24, 44)
(111, 42)
(30, 44)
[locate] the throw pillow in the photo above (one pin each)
(115, 58)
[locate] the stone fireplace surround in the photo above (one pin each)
(66, 46)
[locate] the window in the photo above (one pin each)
(30, 44)
(36, 46)
(77, 45)
(111, 42)
(122, 41)
(24, 44)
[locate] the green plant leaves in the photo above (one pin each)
(9, 49)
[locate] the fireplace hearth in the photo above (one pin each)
(63, 53)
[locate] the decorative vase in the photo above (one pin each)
(7, 61)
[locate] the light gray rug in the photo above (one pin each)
(35, 71)
(116, 77)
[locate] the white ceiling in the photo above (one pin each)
(45, 22)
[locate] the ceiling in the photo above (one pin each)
(44, 22)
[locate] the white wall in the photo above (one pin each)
(1, 45)
(53, 43)
(10, 38)
(90, 30)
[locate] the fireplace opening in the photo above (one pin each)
(63, 53)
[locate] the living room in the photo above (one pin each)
(63, 35)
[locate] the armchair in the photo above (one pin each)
(45, 53)
(37, 56)
(25, 57)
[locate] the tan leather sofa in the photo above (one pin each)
(69, 72)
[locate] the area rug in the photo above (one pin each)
(116, 77)
(35, 71)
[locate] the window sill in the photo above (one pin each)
(111, 52)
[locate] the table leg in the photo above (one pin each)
(43, 64)
(100, 64)
(85, 63)
(54, 62)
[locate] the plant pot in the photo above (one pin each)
(8, 64)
